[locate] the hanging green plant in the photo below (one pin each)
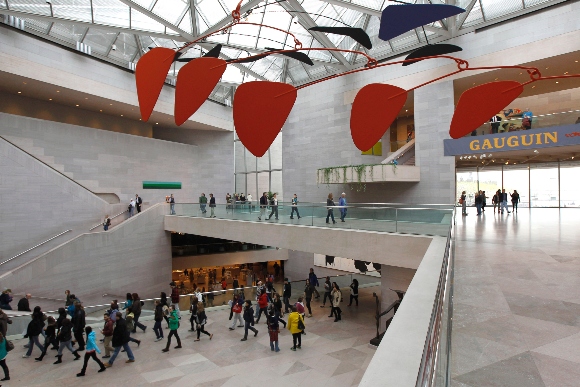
(338, 175)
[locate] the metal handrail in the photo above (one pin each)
(100, 224)
(32, 248)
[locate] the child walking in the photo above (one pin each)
(273, 330)
(91, 350)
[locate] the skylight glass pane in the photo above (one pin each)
(407, 40)
(144, 23)
(126, 47)
(185, 24)
(211, 11)
(232, 74)
(531, 3)
(244, 35)
(67, 32)
(170, 10)
(144, 3)
(99, 40)
(297, 73)
(111, 12)
(72, 9)
(39, 7)
(372, 4)
(493, 9)
(3, 4)
(37, 25)
(475, 16)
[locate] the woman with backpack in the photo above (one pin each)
(136, 305)
(3, 353)
(130, 321)
(173, 326)
(353, 292)
(201, 320)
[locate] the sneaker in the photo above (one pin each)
(240, 326)
(105, 357)
(159, 339)
(196, 340)
(244, 339)
(108, 365)
(299, 347)
(26, 356)
(231, 329)
(165, 350)
(293, 349)
(309, 315)
(130, 361)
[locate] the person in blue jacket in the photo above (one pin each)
(342, 202)
(91, 351)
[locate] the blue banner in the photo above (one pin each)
(510, 141)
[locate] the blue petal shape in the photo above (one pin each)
(398, 19)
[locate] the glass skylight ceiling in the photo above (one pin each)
(120, 31)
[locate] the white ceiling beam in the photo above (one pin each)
(238, 65)
(157, 18)
(307, 22)
(104, 27)
(464, 16)
(439, 31)
(354, 7)
(228, 19)
(193, 16)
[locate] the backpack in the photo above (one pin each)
(130, 324)
(9, 345)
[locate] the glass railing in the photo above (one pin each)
(212, 300)
(400, 218)
(514, 124)
(435, 362)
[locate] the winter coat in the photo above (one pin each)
(336, 298)
(292, 324)
(35, 327)
(175, 295)
(159, 313)
(91, 343)
(3, 350)
(120, 333)
(249, 314)
(308, 290)
(263, 301)
(4, 321)
(50, 331)
(78, 320)
(136, 307)
(65, 332)
(201, 317)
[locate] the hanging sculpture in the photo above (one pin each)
(262, 107)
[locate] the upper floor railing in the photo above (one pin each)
(400, 218)
(514, 124)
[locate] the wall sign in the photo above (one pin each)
(510, 141)
(161, 185)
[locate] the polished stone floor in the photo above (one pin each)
(332, 354)
(517, 299)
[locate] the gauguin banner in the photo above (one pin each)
(510, 141)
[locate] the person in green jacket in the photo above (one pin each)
(173, 325)
(202, 203)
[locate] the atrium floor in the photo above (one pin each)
(517, 299)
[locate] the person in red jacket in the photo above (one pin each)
(175, 298)
(263, 304)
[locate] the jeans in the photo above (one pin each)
(131, 211)
(62, 346)
(353, 297)
(238, 317)
(308, 299)
(274, 346)
(262, 212)
(80, 338)
(274, 212)
(297, 338)
(106, 227)
(88, 355)
(478, 206)
(464, 208)
(504, 205)
(515, 206)
(277, 316)
(260, 311)
(31, 341)
(202, 208)
(158, 330)
(118, 349)
(172, 209)
(342, 214)
(137, 323)
(248, 326)
(326, 294)
(286, 304)
(330, 214)
(294, 209)
(173, 332)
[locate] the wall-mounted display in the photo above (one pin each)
(346, 264)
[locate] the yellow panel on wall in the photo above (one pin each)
(376, 150)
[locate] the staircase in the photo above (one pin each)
(411, 161)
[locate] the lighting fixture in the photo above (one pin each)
(535, 151)
(76, 105)
(121, 115)
(19, 92)
(111, 104)
(86, 97)
(58, 91)
(50, 99)
(157, 123)
(101, 110)
(24, 83)
(557, 82)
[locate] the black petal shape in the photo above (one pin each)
(214, 52)
(302, 57)
(357, 34)
(432, 50)
(250, 58)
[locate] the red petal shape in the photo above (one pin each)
(478, 104)
(374, 109)
(195, 82)
(150, 74)
(260, 110)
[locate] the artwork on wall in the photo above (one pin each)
(348, 265)
(161, 185)
(262, 107)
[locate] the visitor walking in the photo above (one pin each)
(353, 292)
(249, 320)
(201, 320)
(262, 304)
(342, 204)
(173, 326)
(131, 207)
(91, 352)
(107, 331)
(136, 306)
(263, 205)
(79, 323)
(106, 223)
(120, 340)
(4, 321)
(294, 207)
(158, 317)
(65, 337)
(138, 202)
(504, 201)
(34, 330)
(273, 330)
(130, 323)
(277, 305)
(212, 205)
(274, 207)
(237, 309)
(175, 298)
(171, 205)
(327, 289)
(314, 281)
(50, 336)
(3, 354)
(286, 294)
(202, 203)
(478, 201)
(329, 206)
(496, 201)
(308, 290)
(515, 200)
(296, 326)
(336, 299)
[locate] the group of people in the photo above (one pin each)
(499, 201)
(134, 203)
(203, 204)
(330, 207)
